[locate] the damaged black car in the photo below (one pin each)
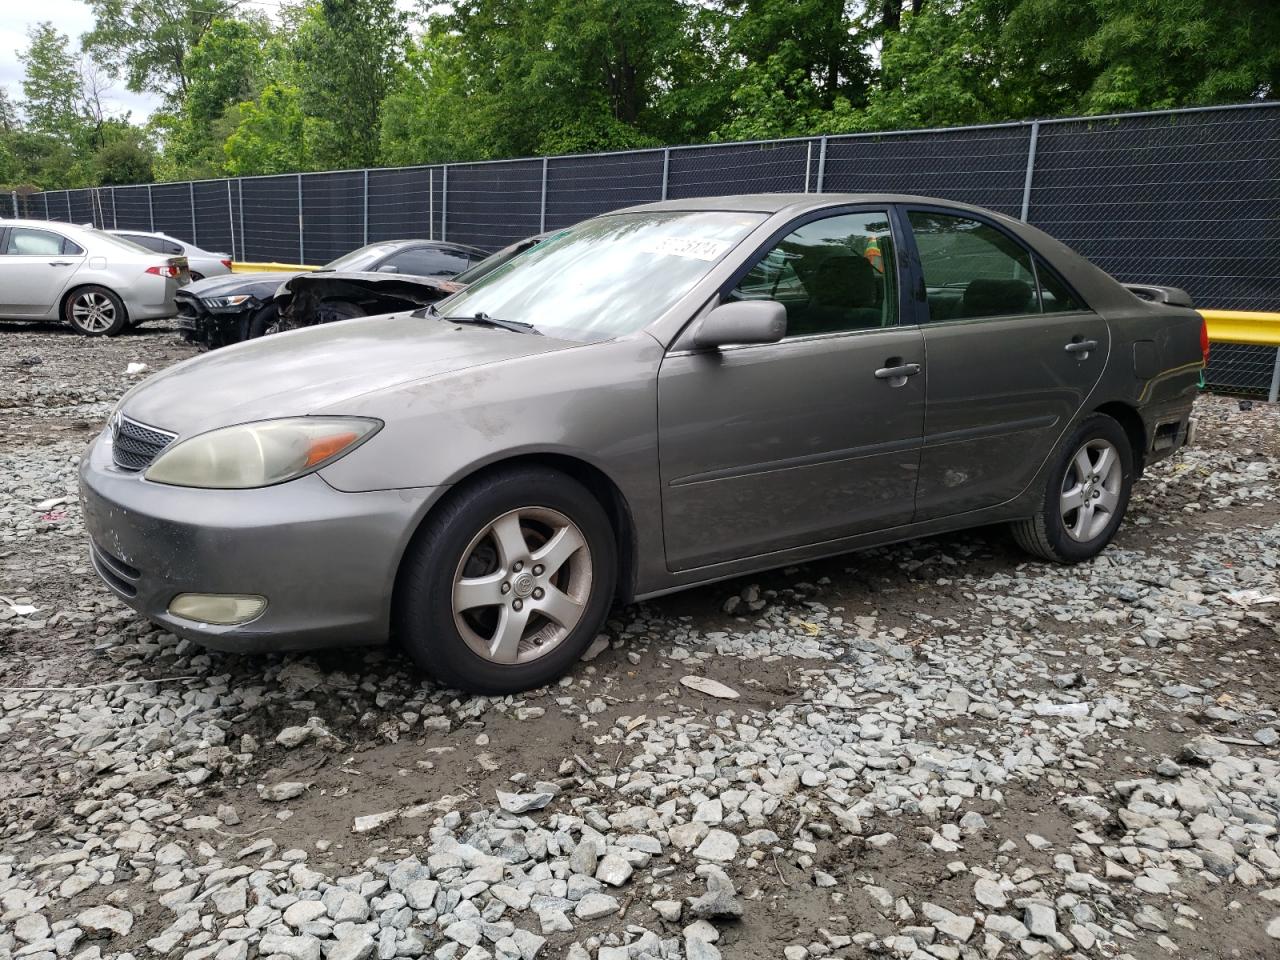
(225, 310)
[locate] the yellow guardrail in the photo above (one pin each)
(1243, 326)
(239, 267)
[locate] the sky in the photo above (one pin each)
(71, 17)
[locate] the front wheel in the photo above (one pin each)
(95, 312)
(507, 582)
(1085, 494)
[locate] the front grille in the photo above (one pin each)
(118, 574)
(134, 445)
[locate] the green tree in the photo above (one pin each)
(51, 84)
(347, 52)
(126, 158)
(153, 39)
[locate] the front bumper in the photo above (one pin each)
(212, 328)
(325, 560)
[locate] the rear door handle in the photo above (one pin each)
(59, 263)
(1082, 346)
(897, 374)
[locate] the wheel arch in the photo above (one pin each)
(1131, 421)
(76, 288)
(601, 486)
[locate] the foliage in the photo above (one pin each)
(316, 84)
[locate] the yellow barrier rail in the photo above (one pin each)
(239, 267)
(1243, 326)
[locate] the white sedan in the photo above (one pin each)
(97, 283)
(203, 263)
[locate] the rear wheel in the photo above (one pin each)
(95, 312)
(508, 582)
(1085, 494)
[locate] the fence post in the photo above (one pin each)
(808, 162)
(14, 195)
(240, 204)
(542, 214)
(822, 164)
(666, 166)
(231, 221)
(70, 215)
(444, 202)
(1274, 395)
(366, 205)
(151, 210)
(302, 250)
(191, 193)
(115, 222)
(431, 203)
(46, 206)
(1031, 165)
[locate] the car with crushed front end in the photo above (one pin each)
(661, 397)
(218, 311)
(96, 283)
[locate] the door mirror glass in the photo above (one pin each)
(742, 322)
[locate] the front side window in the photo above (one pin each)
(832, 275)
(606, 277)
(26, 242)
(971, 269)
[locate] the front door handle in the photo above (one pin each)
(897, 371)
(1082, 346)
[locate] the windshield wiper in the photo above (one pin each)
(483, 319)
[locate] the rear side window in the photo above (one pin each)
(973, 270)
(27, 242)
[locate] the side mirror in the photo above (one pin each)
(388, 268)
(741, 322)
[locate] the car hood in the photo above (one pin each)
(234, 284)
(311, 370)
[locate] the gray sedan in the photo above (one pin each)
(97, 283)
(203, 263)
(661, 397)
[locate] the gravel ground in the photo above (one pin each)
(936, 750)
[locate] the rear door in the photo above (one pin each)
(765, 447)
(1012, 354)
(36, 265)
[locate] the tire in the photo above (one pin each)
(1085, 494)
(495, 638)
(264, 322)
(94, 311)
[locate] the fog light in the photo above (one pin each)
(225, 609)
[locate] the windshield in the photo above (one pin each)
(361, 259)
(605, 277)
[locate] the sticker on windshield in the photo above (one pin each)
(686, 247)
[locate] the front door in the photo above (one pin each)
(772, 446)
(35, 267)
(1012, 356)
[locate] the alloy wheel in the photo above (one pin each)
(93, 312)
(1091, 490)
(522, 585)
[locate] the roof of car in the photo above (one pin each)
(772, 203)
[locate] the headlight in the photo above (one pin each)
(260, 454)
(226, 301)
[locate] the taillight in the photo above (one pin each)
(168, 270)
(1204, 340)
(226, 263)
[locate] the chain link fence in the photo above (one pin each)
(1185, 198)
